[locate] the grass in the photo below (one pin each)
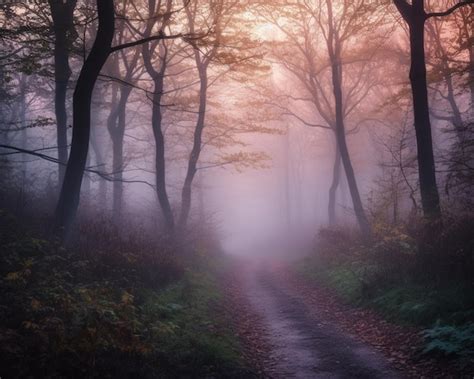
(405, 302)
(195, 335)
(445, 311)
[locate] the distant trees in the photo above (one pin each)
(330, 53)
(323, 52)
(226, 47)
(124, 69)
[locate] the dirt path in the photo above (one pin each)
(301, 345)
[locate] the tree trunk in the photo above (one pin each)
(471, 74)
(70, 192)
(334, 52)
(158, 78)
(100, 165)
(336, 176)
(351, 180)
(116, 126)
(426, 164)
(62, 14)
(287, 178)
(186, 194)
(160, 159)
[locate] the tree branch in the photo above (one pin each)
(450, 10)
(106, 176)
(404, 8)
(160, 36)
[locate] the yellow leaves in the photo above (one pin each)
(85, 294)
(127, 298)
(20, 275)
(13, 276)
(30, 325)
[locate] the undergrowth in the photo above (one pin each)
(386, 275)
(117, 313)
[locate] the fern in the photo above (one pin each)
(449, 340)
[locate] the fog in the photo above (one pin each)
(236, 189)
(266, 159)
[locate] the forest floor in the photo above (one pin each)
(291, 328)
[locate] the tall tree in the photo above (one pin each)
(415, 16)
(62, 13)
(70, 191)
(101, 49)
(125, 69)
(322, 50)
(156, 69)
(226, 46)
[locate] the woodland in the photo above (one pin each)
(190, 186)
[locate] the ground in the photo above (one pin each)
(291, 329)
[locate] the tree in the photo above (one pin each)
(415, 16)
(335, 79)
(158, 78)
(62, 13)
(126, 61)
(70, 191)
(101, 49)
(226, 46)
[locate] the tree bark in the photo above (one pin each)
(426, 164)
(70, 192)
(186, 195)
(336, 176)
(158, 78)
(334, 49)
(116, 126)
(63, 26)
(100, 164)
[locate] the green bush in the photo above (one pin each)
(385, 275)
(130, 312)
(449, 341)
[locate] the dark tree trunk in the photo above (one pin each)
(160, 159)
(469, 35)
(415, 16)
(471, 74)
(70, 192)
(100, 164)
(336, 176)
(63, 26)
(186, 195)
(116, 126)
(86, 185)
(351, 180)
(158, 78)
(334, 50)
(426, 163)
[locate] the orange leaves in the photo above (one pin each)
(35, 304)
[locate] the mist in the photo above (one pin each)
(167, 163)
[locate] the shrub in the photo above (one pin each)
(450, 341)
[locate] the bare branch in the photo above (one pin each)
(450, 10)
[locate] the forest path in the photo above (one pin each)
(301, 345)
